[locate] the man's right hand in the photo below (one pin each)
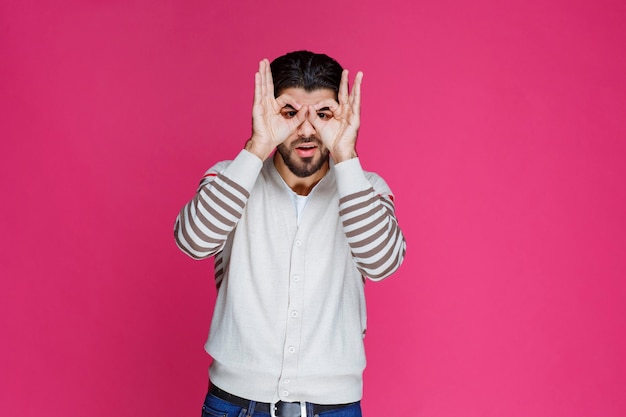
(269, 126)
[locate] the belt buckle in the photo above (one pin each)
(290, 408)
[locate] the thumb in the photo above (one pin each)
(314, 118)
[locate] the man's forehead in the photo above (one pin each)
(303, 96)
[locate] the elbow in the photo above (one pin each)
(383, 270)
(379, 276)
(191, 248)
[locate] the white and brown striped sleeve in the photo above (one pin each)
(366, 210)
(204, 223)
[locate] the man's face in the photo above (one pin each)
(303, 152)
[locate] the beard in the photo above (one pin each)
(303, 167)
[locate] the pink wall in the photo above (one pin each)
(499, 125)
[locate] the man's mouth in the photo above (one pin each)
(306, 150)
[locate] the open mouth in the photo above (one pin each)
(306, 150)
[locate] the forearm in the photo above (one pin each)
(205, 222)
(369, 222)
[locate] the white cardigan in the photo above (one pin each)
(290, 316)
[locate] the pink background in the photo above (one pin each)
(500, 126)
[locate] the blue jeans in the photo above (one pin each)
(216, 407)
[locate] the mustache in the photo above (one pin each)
(309, 139)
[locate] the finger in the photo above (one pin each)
(269, 81)
(285, 99)
(343, 88)
(257, 89)
(355, 95)
(313, 117)
(311, 113)
(301, 115)
(262, 78)
(330, 103)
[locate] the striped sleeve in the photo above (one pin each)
(204, 223)
(366, 210)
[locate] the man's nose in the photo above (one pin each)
(306, 129)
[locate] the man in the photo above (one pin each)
(294, 235)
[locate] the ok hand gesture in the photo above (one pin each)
(339, 133)
(269, 127)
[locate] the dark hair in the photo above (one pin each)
(307, 70)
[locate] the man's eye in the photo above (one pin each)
(323, 116)
(289, 114)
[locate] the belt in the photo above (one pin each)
(279, 409)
